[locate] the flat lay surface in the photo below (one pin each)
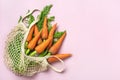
(93, 37)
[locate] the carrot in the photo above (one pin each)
(40, 48)
(51, 33)
(30, 34)
(33, 42)
(36, 30)
(57, 45)
(61, 56)
(45, 29)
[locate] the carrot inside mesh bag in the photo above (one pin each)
(33, 44)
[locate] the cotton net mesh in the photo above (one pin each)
(16, 60)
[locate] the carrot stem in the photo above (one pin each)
(48, 54)
(27, 52)
(33, 53)
(26, 43)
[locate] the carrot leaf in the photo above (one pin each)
(58, 34)
(52, 18)
(42, 15)
(30, 19)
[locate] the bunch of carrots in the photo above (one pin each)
(41, 42)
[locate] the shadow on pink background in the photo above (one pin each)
(93, 37)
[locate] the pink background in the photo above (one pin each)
(93, 37)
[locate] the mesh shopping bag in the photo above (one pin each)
(15, 57)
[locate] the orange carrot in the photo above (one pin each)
(36, 30)
(30, 34)
(57, 45)
(45, 29)
(41, 47)
(51, 33)
(61, 56)
(33, 42)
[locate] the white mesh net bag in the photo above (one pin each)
(15, 57)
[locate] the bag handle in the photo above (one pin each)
(56, 69)
(29, 13)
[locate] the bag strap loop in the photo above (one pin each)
(56, 69)
(29, 13)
